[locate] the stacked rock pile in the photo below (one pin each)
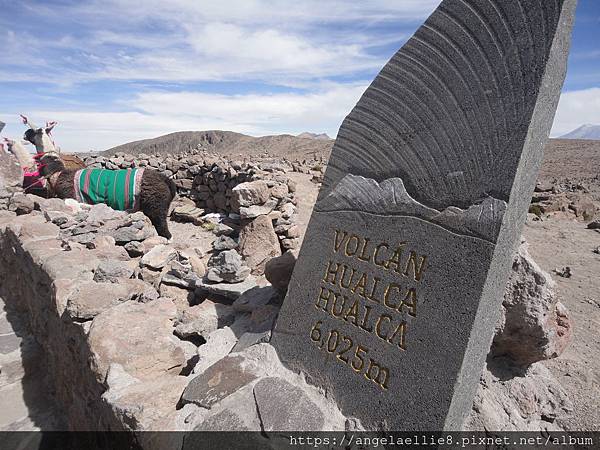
(242, 191)
(564, 198)
(127, 314)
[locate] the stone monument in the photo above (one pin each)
(392, 305)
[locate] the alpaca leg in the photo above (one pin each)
(161, 225)
(155, 199)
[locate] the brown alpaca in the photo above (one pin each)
(155, 195)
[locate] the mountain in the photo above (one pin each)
(229, 144)
(306, 135)
(587, 131)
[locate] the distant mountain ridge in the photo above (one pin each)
(587, 131)
(307, 135)
(229, 144)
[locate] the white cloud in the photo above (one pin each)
(152, 114)
(575, 109)
(257, 12)
(274, 41)
(155, 113)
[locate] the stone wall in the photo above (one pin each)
(119, 326)
(37, 277)
(210, 182)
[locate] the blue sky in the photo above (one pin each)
(112, 71)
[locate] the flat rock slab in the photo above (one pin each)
(254, 298)
(229, 290)
(285, 407)
(217, 382)
(398, 286)
(249, 339)
(139, 336)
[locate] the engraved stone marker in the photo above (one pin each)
(399, 282)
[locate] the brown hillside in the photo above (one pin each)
(228, 144)
(571, 158)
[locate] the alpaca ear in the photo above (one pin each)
(27, 122)
(50, 126)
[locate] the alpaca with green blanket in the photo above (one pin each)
(131, 190)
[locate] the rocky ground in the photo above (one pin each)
(555, 244)
(209, 298)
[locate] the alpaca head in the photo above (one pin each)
(18, 150)
(40, 136)
(15, 147)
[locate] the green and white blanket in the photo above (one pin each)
(119, 189)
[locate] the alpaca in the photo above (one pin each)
(143, 190)
(18, 149)
(33, 183)
(40, 137)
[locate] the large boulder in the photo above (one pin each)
(102, 213)
(259, 243)
(203, 319)
(583, 206)
(534, 325)
(218, 381)
(274, 396)
(90, 298)
(227, 266)
(250, 194)
(517, 392)
(158, 257)
(279, 270)
(139, 337)
(21, 204)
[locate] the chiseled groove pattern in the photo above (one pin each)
(453, 110)
(508, 52)
(435, 43)
(418, 49)
(383, 112)
(412, 164)
(469, 62)
(485, 58)
(354, 142)
(488, 112)
(524, 26)
(453, 150)
(444, 59)
(431, 111)
(516, 83)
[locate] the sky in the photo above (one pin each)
(113, 71)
